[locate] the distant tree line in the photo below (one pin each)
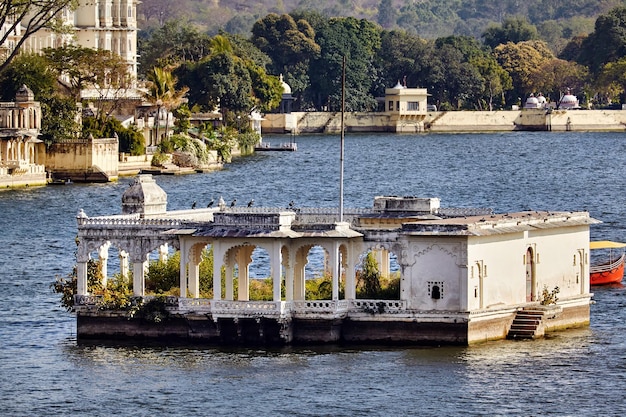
(460, 72)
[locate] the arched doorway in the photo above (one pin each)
(530, 275)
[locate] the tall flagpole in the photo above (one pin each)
(343, 106)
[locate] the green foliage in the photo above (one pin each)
(163, 276)
(130, 139)
(32, 70)
(67, 286)
(607, 43)
(182, 114)
(189, 151)
(549, 297)
(513, 29)
(368, 278)
(58, 113)
(159, 158)
(247, 141)
(223, 142)
(171, 44)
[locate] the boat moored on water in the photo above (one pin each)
(610, 269)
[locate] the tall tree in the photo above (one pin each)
(513, 29)
(171, 44)
(607, 43)
(555, 76)
(58, 120)
(162, 93)
(359, 42)
(521, 60)
(28, 17)
(291, 45)
(102, 72)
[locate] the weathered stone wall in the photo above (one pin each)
(84, 160)
(453, 121)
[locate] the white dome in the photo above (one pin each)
(286, 87)
(532, 100)
(568, 98)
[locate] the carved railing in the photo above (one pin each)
(247, 308)
(265, 308)
(377, 306)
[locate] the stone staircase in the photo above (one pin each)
(526, 325)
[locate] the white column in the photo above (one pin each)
(103, 255)
(123, 263)
(276, 270)
(194, 270)
(81, 275)
(184, 256)
(230, 287)
(334, 267)
(299, 288)
(288, 265)
(139, 283)
(163, 252)
(244, 259)
(218, 260)
(350, 273)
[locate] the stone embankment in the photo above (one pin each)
(452, 121)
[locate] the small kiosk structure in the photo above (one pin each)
(407, 108)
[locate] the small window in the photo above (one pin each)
(390, 105)
(413, 105)
(435, 290)
(435, 293)
(397, 105)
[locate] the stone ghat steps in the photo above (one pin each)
(525, 325)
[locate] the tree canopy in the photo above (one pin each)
(28, 17)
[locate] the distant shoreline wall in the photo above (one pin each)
(453, 121)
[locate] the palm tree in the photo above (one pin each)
(162, 92)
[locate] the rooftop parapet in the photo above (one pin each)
(391, 204)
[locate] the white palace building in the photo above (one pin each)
(466, 275)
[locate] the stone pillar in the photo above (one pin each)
(244, 259)
(123, 255)
(163, 252)
(299, 288)
(218, 260)
(184, 256)
(288, 263)
(195, 257)
(103, 255)
(139, 282)
(350, 263)
(81, 275)
(230, 285)
(276, 271)
(333, 261)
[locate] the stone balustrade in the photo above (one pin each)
(262, 308)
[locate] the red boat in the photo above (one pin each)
(609, 270)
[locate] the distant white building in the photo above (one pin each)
(99, 24)
(407, 107)
(22, 154)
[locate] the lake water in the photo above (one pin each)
(43, 372)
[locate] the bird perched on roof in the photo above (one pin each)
(210, 203)
(250, 203)
(233, 203)
(193, 205)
